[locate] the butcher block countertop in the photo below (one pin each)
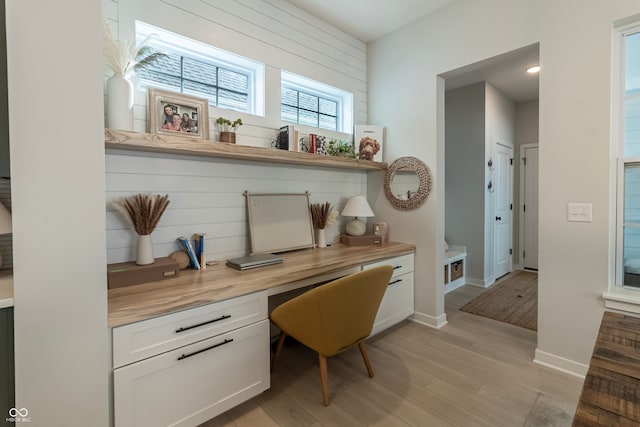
(611, 392)
(219, 282)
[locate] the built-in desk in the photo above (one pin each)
(187, 348)
(219, 282)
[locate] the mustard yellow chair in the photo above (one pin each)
(334, 317)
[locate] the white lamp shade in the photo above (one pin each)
(5, 220)
(357, 206)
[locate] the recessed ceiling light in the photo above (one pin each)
(533, 70)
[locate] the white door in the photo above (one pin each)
(530, 206)
(503, 176)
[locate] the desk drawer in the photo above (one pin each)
(189, 385)
(401, 265)
(397, 303)
(148, 338)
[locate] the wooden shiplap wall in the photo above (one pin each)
(206, 195)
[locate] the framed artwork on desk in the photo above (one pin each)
(176, 114)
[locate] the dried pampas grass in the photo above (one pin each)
(143, 211)
(124, 57)
(323, 215)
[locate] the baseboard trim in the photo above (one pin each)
(483, 283)
(432, 322)
(561, 364)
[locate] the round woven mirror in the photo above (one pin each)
(407, 183)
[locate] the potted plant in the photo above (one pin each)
(227, 129)
(124, 58)
(341, 148)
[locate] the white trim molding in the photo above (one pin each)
(561, 364)
(427, 320)
(623, 300)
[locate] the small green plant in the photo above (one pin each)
(341, 148)
(226, 125)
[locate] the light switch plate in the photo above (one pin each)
(579, 212)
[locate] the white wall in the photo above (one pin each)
(273, 32)
(54, 73)
(206, 196)
(574, 133)
(465, 175)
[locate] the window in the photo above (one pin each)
(311, 103)
(227, 80)
(627, 135)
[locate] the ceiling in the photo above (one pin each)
(507, 73)
(368, 20)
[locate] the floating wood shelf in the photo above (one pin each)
(138, 141)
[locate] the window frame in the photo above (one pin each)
(342, 98)
(196, 50)
(618, 296)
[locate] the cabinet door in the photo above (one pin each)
(189, 385)
(397, 303)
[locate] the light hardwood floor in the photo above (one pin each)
(472, 372)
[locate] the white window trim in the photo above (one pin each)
(343, 98)
(617, 297)
(214, 55)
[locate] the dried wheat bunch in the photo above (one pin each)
(143, 211)
(320, 214)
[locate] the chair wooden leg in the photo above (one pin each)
(281, 338)
(363, 351)
(324, 380)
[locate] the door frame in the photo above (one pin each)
(522, 149)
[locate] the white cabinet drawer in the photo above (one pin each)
(401, 265)
(141, 340)
(397, 303)
(189, 385)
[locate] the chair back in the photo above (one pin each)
(335, 316)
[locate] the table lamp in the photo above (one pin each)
(5, 224)
(357, 206)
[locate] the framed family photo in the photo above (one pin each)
(176, 114)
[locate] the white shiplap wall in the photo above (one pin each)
(274, 32)
(206, 194)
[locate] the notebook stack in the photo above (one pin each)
(253, 261)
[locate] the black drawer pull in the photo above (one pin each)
(395, 267)
(226, 341)
(225, 316)
(394, 282)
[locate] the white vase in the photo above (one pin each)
(119, 102)
(144, 255)
(322, 238)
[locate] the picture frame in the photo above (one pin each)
(193, 114)
(369, 141)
